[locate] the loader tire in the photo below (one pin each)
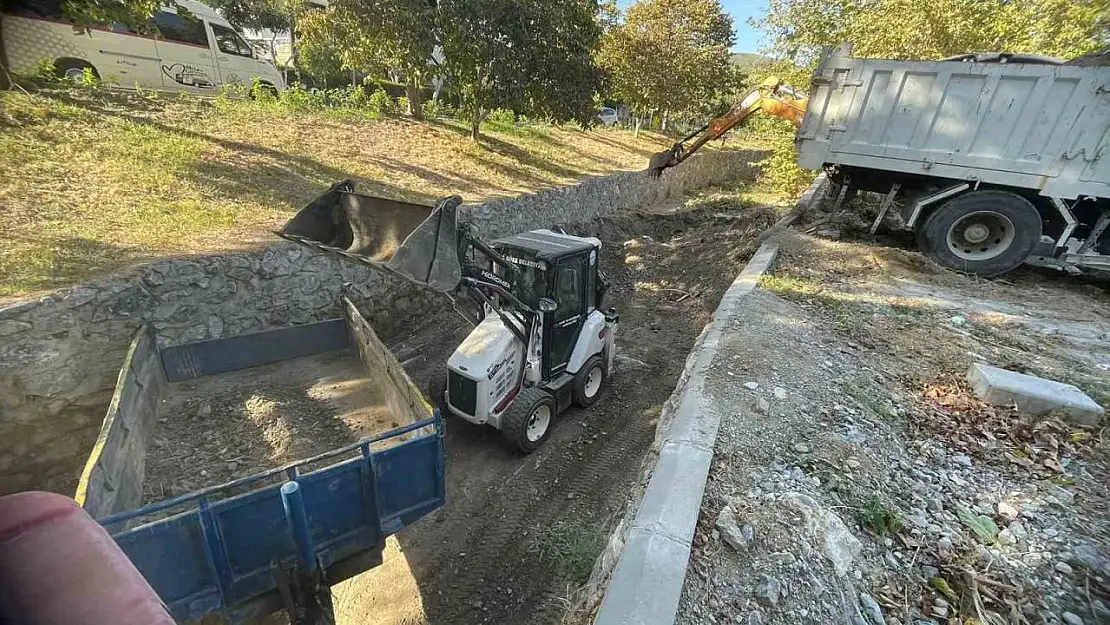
(986, 233)
(529, 420)
(589, 382)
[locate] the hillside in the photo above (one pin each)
(94, 181)
(749, 61)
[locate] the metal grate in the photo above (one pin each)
(462, 392)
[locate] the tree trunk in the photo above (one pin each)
(475, 123)
(666, 121)
(636, 129)
(414, 93)
(5, 77)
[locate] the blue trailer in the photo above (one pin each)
(277, 539)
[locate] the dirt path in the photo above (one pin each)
(519, 531)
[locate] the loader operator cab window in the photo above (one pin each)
(562, 327)
(568, 291)
(530, 285)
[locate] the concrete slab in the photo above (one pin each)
(652, 568)
(1032, 395)
(673, 498)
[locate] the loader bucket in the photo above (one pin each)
(417, 242)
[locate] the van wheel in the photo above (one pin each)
(268, 89)
(589, 381)
(987, 233)
(74, 69)
(529, 420)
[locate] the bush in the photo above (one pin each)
(263, 93)
(780, 170)
(433, 109)
(354, 96)
(402, 105)
(89, 79)
(502, 117)
(379, 102)
(296, 97)
(46, 71)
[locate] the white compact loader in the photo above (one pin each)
(541, 339)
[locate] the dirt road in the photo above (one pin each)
(518, 531)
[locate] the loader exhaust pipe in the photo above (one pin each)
(417, 242)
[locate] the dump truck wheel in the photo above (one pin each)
(987, 233)
(589, 381)
(529, 420)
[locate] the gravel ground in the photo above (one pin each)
(859, 481)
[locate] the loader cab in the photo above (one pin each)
(563, 268)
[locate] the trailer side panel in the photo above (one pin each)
(1042, 127)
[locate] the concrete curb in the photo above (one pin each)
(646, 583)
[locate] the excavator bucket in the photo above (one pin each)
(662, 160)
(417, 242)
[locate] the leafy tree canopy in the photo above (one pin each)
(916, 29)
(375, 37)
(532, 56)
(273, 15)
(670, 54)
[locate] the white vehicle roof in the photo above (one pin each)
(198, 9)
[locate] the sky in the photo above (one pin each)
(747, 38)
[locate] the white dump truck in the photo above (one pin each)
(994, 159)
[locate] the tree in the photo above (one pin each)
(276, 16)
(273, 15)
(533, 56)
(669, 55)
(376, 36)
(911, 29)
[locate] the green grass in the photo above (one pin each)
(879, 516)
(569, 548)
(94, 181)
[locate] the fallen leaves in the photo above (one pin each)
(952, 413)
(981, 525)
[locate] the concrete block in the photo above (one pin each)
(647, 582)
(673, 499)
(1032, 395)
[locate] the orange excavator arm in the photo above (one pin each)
(771, 96)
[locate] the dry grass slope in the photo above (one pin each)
(92, 182)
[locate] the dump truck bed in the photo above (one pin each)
(202, 441)
(1035, 126)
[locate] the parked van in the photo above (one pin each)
(196, 52)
